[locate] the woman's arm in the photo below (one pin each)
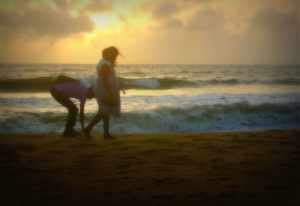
(121, 86)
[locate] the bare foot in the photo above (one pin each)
(108, 136)
(87, 134)
(76, 133)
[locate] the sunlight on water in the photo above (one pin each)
(25, 95)
(159, 98)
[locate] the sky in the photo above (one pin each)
(150, 31)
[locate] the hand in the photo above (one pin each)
(109, 102)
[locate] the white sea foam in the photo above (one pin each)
(160, 98)
(169, 113)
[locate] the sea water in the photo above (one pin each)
(159, 98)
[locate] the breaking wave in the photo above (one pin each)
(240, 116)
(43, 84)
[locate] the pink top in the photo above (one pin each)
(74, 90)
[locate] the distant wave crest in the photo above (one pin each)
(155, 83)
(43, 84)
(40, 84)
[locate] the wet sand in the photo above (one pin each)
(238, 168)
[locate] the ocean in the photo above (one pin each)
(159, 98)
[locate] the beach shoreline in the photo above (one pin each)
(227, 168)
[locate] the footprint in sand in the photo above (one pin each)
(276, 187)
(223, 151)
(197, 195)
(204, 174)
(164, 181)
(45, 160)
(237, 147)
(224, 178)
(232, 186)
(58, 152)
(37, 137)
(288, 142)
(95, 155)
(167, 197)
(229, 194)
(124, 166)
(126, 136)
(126, 192)
(25, 148)
(164, 170)
(252, 135)
(207, 147)
(217, 160)
(128, 148)
(296, 152)
(278, 131)
(273, 151)
(182, 144)
(253, 154)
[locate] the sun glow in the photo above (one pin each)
(206, 32)
(104, 19)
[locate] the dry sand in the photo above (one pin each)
(241, 168)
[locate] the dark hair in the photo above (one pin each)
(110, 54)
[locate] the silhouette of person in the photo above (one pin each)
(65, 88)
(107, 92)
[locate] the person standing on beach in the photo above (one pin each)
(107, 92)
(65, 88)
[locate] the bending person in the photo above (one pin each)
(107, 92)
(65, 88)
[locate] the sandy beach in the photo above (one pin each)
(239, 168)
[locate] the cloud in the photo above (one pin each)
(206, 20)
(67, 5)
(123, 18)
(165, 9)
(196, 1)
(61, 4)
(173, 23)
(99, 6)
(271, 20)
(45, 22)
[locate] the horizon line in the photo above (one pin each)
(166, 63)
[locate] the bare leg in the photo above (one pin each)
(65, 101)
(95, 120)
(106, 128)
